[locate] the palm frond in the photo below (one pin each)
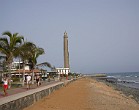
(4, 42)
(39, 51)
(7, 33)
(45, 64)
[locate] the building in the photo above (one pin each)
(17, 69)
(63, 70)
(19, 65)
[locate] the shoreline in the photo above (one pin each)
(128, 91)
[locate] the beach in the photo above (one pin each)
(121, 86)
(86, 94)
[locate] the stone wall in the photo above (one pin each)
(25, 99)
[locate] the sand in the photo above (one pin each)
(85, 94)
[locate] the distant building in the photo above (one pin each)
(63, 70)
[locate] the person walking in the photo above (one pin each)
(38, 79)
(28, 79)
(5, 85)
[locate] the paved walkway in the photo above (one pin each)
(12, 91)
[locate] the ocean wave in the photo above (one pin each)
(128, 76)
(136, 76)
(137, 82)
(127, 81)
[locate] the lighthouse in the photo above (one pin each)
(66, 52)
(66, 68)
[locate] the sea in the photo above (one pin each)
(128, 79)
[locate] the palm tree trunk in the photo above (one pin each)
(9, 76)
(23, 78)
(19, 68)
(33, 76)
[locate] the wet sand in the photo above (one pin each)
(85, 94)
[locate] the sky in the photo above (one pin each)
(103, 35)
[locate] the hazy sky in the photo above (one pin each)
(103, 34)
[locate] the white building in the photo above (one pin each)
(63, 70)
(17, 69)
(19, 65)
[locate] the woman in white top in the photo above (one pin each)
(28, 79)
(5, 85)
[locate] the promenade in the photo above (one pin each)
(20, 98)
(85, 94)
(13, 91)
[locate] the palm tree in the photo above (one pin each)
(24, 52)
(35, 53)
(8, 46)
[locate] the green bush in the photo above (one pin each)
(16, 79)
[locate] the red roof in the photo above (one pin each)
(27, 71)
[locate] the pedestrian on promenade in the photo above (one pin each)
(49, 78)
(9, 82)
(61, 76)
(5, 85)
(38, 79)
(28, 79)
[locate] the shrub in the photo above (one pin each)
(16, 79)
